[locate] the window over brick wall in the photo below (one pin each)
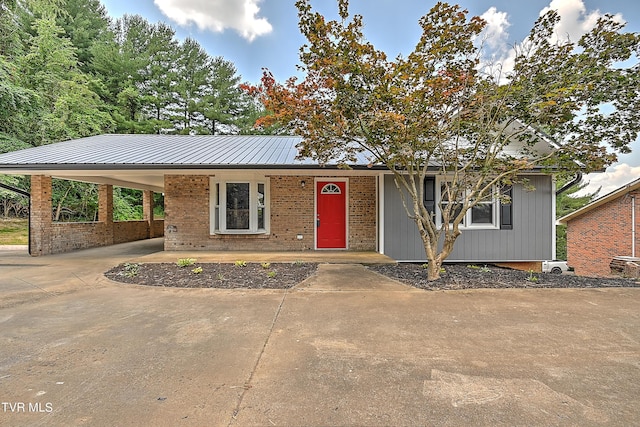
(239, 206)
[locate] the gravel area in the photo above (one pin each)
(288, 275)
(472, 276)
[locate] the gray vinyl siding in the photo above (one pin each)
(530, 239)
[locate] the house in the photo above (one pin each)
(604, 229)
(252, 193)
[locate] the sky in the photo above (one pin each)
(257, 34)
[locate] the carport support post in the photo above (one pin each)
(105, 211)
(40, 215)
(147, 210)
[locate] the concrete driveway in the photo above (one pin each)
(347, 347)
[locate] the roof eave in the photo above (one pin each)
(632, 186)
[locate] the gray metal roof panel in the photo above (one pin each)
(164, 150)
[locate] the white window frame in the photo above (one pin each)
(219, 183)
(467, 223)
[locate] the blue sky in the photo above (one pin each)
(264, 33)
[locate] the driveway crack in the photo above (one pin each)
(247, 384)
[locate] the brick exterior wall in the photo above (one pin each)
(362, 213)
(187, 216)
(595, 237)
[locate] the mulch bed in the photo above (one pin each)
(288, 275)
(471, 276)
(214, 275)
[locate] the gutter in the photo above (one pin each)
(28, 196)
(576, 180)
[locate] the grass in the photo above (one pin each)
(14, 231)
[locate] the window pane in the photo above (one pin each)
(482, 214)
(261, 207)
(260, 194)
(216, 216)
(238, 206)
(260, 218)
(455, 211)
(443, 192)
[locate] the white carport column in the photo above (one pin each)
(40, 215)
(147, 211)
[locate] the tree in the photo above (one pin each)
(68, 107)
(85, 22)
(121, 62)
(194, 67)
(225, 102)
(160, 76)
(442, 110)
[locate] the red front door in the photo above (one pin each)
(331, 215)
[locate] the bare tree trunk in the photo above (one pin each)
(433, 270)
(59, 207)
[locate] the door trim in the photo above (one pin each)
(315, 211)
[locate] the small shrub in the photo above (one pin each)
(266, 265)
(298, 262)
(271, 274)
(426, 265)
(197, 270)
(531, 277)
(186, 262)
(240, 263)
(220, 277)
(483, 269)
(131, 269)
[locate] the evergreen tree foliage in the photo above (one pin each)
(68, 71)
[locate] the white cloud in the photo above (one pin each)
(575, 21)
(218, 15)
(496, 30)
(499, 57)
(610, 180)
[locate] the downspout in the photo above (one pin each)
(28, 196)
(633, 226)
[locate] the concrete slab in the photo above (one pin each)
(334, 257)
(116, 356)
(348, 347)
(350, 277)
(505, 357)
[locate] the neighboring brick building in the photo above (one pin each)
(606, 228)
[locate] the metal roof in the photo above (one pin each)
(161, 150)
(164, 151)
